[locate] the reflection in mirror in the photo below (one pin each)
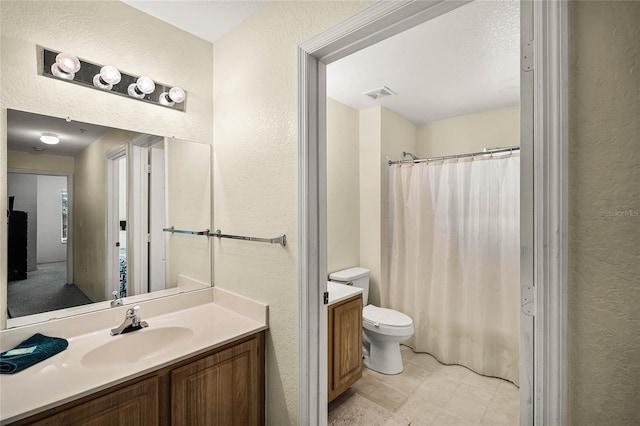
(86, 214)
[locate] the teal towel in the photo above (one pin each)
(31, 351)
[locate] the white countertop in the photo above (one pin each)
(340, 292)
(62, 378)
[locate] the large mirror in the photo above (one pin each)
(90, 217)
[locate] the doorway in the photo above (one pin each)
(136, 210)
(440, 238)
(543, 66)
(40, 255)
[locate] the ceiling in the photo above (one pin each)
(207, 19)
(462, 62)
(24, 130)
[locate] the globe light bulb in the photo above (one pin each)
(172, 97)
(67, 62)
(143, 86)
(107, 78)
(146, 85)
(66, 66)
(177, 95)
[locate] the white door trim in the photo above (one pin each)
(548, 156)
(527, 300)
(550, 192)
(112, 262)
(157, 220)
(138, 220)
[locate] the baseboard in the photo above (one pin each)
(54, 260)
(85, 294)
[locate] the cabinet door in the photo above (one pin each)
(347, 345)
(136, 404)
(221, 389)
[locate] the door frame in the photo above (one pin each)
(138, 219)
(69, 176)
(157, 247)
(113, 217)
(544, 172)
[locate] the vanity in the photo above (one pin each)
(199, 362)
(133, 214)
(344, 332)
(129, 217)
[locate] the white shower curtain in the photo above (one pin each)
(455, 260)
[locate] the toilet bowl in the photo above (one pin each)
(383, 329)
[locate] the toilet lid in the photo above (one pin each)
(384, 316)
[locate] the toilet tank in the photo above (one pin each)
(359, 277)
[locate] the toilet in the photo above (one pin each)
(383, 329)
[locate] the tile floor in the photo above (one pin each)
(429, 393)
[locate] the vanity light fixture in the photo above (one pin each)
(107, 77)
(174, 96)
(66, 66)
(49, 139)
(143, 86)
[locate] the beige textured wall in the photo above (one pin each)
(188, 178)
(89, 218)
(343, 187)
(107, 32)
(371, 198)
(603, 335)
(383, 135)
(398, 135)
(255, 174)
(470, 133)
(44, 162)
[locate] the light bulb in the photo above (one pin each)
(173, 96)
(177, 95)
(143, 86)
(66, 66)
(49, 138)
(107, 78)
(67, 62)
(146, 85)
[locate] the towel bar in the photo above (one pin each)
(282, 239)
(184, 231)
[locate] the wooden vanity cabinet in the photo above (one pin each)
(221, 389)
(224, 386)
(345, 345)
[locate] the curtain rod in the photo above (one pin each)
(451, 157)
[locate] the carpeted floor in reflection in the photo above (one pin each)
(44, 290)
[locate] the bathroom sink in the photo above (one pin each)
(136, 346)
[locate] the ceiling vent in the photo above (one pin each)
(380, 92)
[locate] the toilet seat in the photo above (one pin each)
(386, 321)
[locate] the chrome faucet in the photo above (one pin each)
(131, 322)
(117, 301)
